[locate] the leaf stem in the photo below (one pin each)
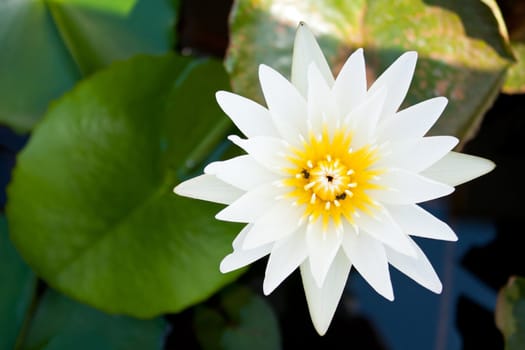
(205, 147)
(28, 317)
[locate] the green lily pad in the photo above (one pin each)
(47, 46)
(91, 206)
(60, 323)
(462, 53)
(513, 12)
(16, 293)
(242, 320)
(515, 80)
(510, 313)
(115, 6)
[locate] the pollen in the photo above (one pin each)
(330, 179)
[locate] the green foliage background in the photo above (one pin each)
(117, 118)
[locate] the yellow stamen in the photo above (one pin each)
(327, 170)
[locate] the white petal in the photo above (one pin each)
(305, 51)
(350, 85)
(457, 168)
(396, 79)
(369, 259)
(418, 268)
(278, 222)
(269, 152)
(251, 205)
(363, 120)
(250, 117)
(322, 248)
(283, 99)
(287, 131)
(322, 302)
(418, 154)
(208, 188)
(405, 187)
(414, 121)
(382, 227)
(322, 109)
(239, 239)
(241, 257)
(416, 221)
(286, 255)
(242, 172)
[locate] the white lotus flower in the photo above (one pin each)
(332, 177)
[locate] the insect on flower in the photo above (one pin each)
(332, 177)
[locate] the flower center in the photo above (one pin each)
(330, 179)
